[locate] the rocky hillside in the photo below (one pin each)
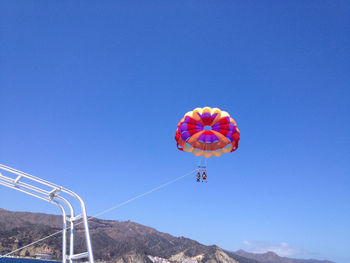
(114, 241)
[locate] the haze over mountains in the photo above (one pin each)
(122, 242)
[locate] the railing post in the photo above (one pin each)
(53, 196)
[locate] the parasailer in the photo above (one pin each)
(204, 177)
(207, 132)
(198, 176)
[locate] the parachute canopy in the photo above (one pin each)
(207, 131)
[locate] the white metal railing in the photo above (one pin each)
(14, 179)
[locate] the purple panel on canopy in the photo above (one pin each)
(187, 119)
(205, 115)
(199, 128)
(208, 139)
(185, 136)
(229, 136)
(183, 127)
(214, 138)
(216, 127)
(201, 138)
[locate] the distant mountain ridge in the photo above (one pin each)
(120, 242)
(271, 257)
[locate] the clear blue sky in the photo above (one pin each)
(91, 94)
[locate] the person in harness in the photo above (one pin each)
(198, 177)
(204, 177)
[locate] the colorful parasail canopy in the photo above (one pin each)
(207, 131)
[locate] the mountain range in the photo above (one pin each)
(120, 242)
